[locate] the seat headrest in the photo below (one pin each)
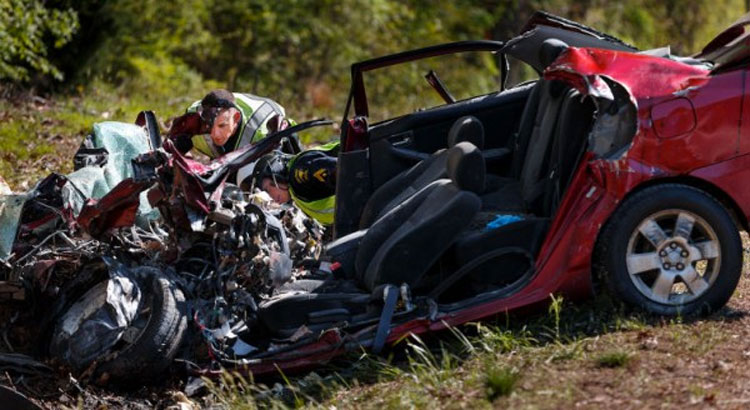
(467, 129)
(465, 166)
(550, 50)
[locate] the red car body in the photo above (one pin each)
(692, 127)
(688, 125)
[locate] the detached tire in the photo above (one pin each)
(670, 250)
(157, 344)
(142, 352)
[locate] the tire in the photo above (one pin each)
(670, 250)
(152, 346)
(156, 346)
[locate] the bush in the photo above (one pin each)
(499, 381)
(27, 30)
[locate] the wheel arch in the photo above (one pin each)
(739, 217)
(722, 196)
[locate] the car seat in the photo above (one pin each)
(433, 167)
(399, 248)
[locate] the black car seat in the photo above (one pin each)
(523, 190)
(390, 194)
(531, 149)
(494, 229)
(399, 248)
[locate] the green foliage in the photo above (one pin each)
(555, 307)
(499, 381)
(27, 30)
(299, 51)
(685, 26)
(613, 359)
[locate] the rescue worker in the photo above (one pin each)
(308, 179)
(223, 121)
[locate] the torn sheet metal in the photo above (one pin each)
(644, 76)
(227, 255)
(122, 143)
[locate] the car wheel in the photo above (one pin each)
(670, 250)
(86, 335)
(153, 343)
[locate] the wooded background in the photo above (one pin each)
(296, 51)
(93, 60)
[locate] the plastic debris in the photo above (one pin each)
(502, 220)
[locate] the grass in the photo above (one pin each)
(613, 359)
(500, 381)
(561, 359)
(478, 365)
(39, 136)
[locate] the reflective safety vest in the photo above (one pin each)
(256, 111)
(323, 209)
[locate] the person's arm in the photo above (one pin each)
(182, 130)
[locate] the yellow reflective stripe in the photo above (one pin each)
(329, 146)
(201, 144)
(321, 210)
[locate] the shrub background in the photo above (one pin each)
(93, 60)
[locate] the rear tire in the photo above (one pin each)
(155, 348)
(153, 337)
(670, 250)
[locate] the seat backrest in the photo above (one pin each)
(405, 242)
(402, 186)
(526, 126)
(467, 129)
(535, 167)
(569, 142)
(407, 183)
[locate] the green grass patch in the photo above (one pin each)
(499, 381)
(613, 359)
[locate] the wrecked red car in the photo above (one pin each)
(616, 169)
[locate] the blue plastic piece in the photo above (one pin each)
(502, 220)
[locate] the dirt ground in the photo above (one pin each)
(701, 364)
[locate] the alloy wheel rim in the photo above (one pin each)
(673, 257)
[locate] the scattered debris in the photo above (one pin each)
(133, 260)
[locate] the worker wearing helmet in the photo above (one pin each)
(308, 179)
(223, 121)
